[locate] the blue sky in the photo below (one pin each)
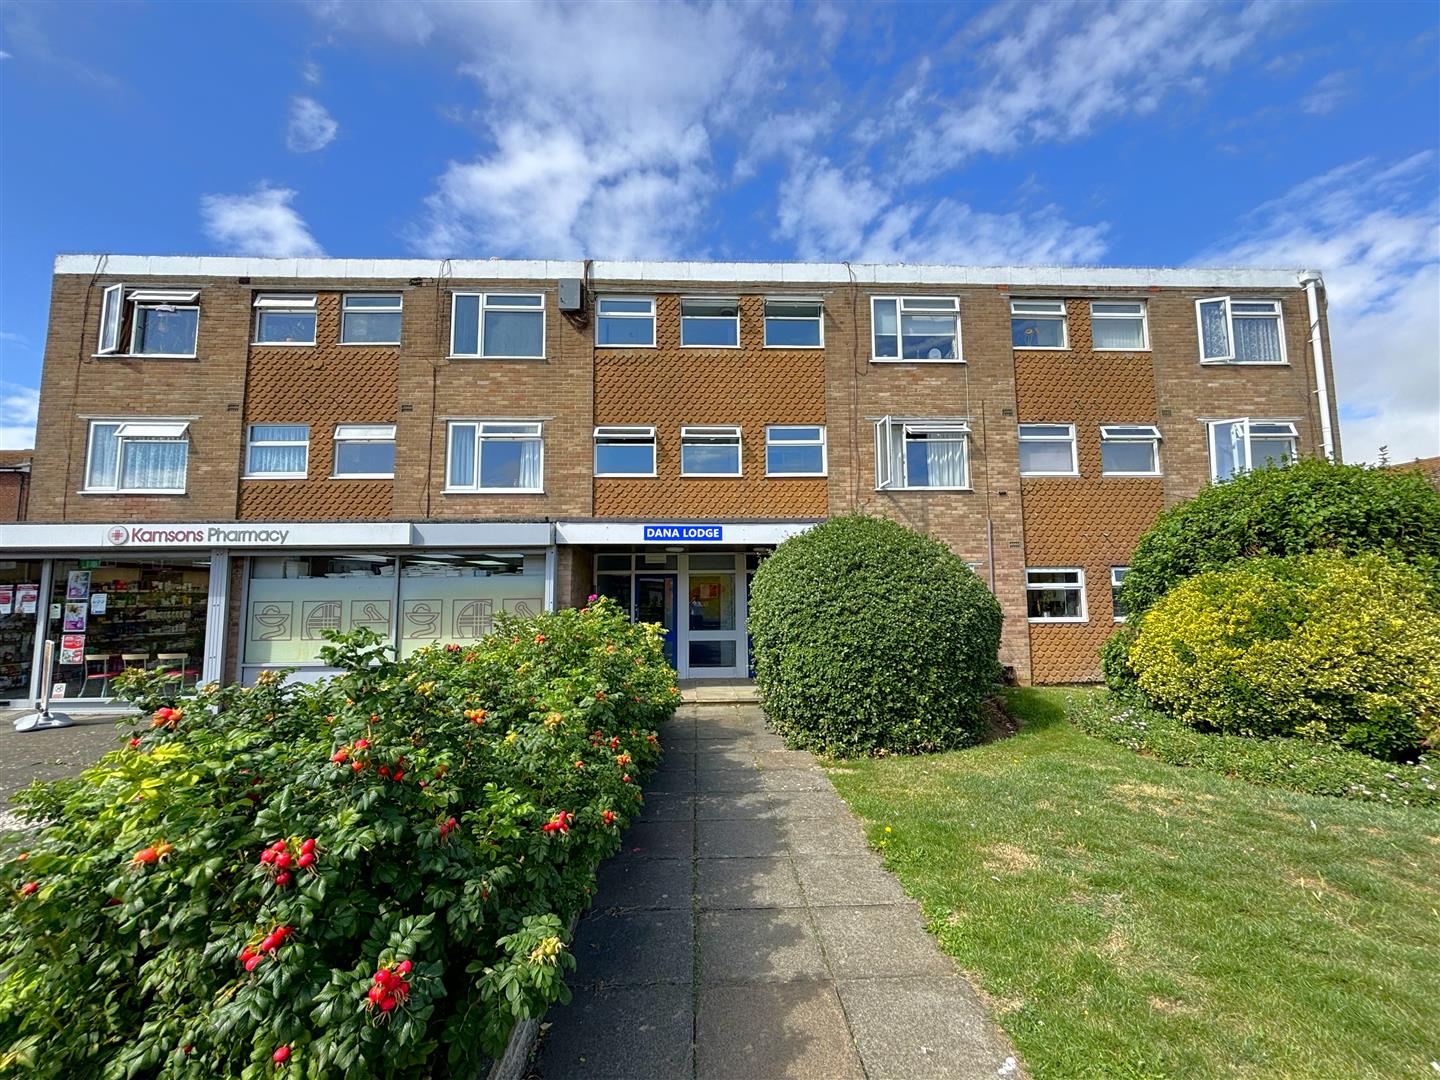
(1159, 134)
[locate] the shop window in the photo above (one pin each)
(709, 451)
(161, 322)
(1048, 450)
(278, 451)
(625, 321)
(922, 454)
(1240, 445)
(364, 451)
(710, 323)
(370, 319)
(795, 450)
(1129, 450)
(1117, 579)
(1119, 326)
(495, 456)
(137, 456)
(124, 614)
(1055, 595)
(498, 326)
(920, 328)
(1038, 324)
(1240, 331)
(285, 319)
(448, 598)
(19, 610)
(624, 451)
(794, 323)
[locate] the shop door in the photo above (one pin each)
(714, 645)
(655, 603)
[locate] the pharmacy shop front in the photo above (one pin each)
(226, 601)
(692, 578)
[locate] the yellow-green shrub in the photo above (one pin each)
(1322, 646)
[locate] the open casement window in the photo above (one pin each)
(625, 321)
(285, 319)
(496, 456)
(1048, 450)
(137, 456)
(1242, 444)
(921, 454)
(277, 451)
(709, 450)
(161, 322)
(1240, 331)
(1038, 324)
(1129, 450)
(364, 451)
(915, 328)
(1055, 595)
(624, 450)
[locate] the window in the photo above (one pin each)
(1055, 595)
(278, 451)
(496, 455)
(1038, 324)
(625, 320)
(163, 322)
(1119, 326)
(285, 319)
(1240, 331)
(711, 323)
(139, 456)
(1048, 450)
(1242, 444)
(370, 319)
(624, 451)
(795, 450)
(1117, 579)
(709, 451)
(498, 326)
(915, 327)
(921, 454)
(794, 323)
(1129, 450)
(365, 451)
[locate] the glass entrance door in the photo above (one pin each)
(715, 619)
(655, 603)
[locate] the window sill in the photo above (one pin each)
(796, 476)
(650, 345)
(144, 356)
(1132, 475)
(370, 344)
(478, 356)
(275, 476)
(713, 348)
(492, 491)
(1142, 349)
(1073, 622)
(131, 491)
(897, 360)
(362, 476)
(806, 348)
(712, 476)
(926, 488)
(282, 344)
(1040, 348)
(1049, 475)
(625, 475)
(1244, 363)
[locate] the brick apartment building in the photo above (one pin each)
(236, 454)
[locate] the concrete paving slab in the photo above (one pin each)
(924, 1029)
(839, 832)
(728, 805)
(846, 879)
(740, 838)
(629, 1033)
(775, 1032)
(667, 806)
(748, 883)
(795, 780)
(868, 942)
(625, 883)
(708, 783)
(671, 782)
(769, 759)
(758, 945)
(808, 804)
(726, 755)
(634, 948)
(659, 840)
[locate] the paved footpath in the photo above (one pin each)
(747, 931)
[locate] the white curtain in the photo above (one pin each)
(945, 462)
(104, 453)
(278, 459)
(1257, 339)
(530, 464)
(1118, 334)
(1214, 329)
(462, 455)
(158, 465)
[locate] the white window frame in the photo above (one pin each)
(820, 440)
(635, 315)
(1131, 433)
(250, 443)
(1062, 314)
(1213, 426)
(818, 319)
(1048, 586)
(710, 318)
(1069, 438)
(1095, 317)
(486, 304)
(886, 430)
(900, 313)
(286, 304)
(360, 433)
(112, 317)
(1278, 314)
(718, 433)
(1115, 583)
(398, 308)
(480, 436)
(146, 431)
(624, 433)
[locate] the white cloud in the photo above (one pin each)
(1374, 231)
(311, 127)
(1327, 95)
(261, 223)
(19, 406)
(312, 73)
(5, 55)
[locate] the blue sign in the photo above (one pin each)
(710, 533)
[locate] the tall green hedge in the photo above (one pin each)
(870, 637)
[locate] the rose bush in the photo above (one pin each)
(370, 876)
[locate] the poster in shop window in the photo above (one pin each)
(77, 585)
(99, 603)
(72, 649)
(27, 599)
(76, 612)
(7, 599)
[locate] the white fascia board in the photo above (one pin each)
(490, 534)
(183, 266)
(632, 533)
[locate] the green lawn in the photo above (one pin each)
(1131, 919)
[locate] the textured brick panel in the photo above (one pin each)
(322, 386)
(670, 386)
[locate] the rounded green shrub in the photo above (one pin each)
(1306, 507)
(870, 637)
(1344, 650)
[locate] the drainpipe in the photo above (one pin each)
(1311, 279)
